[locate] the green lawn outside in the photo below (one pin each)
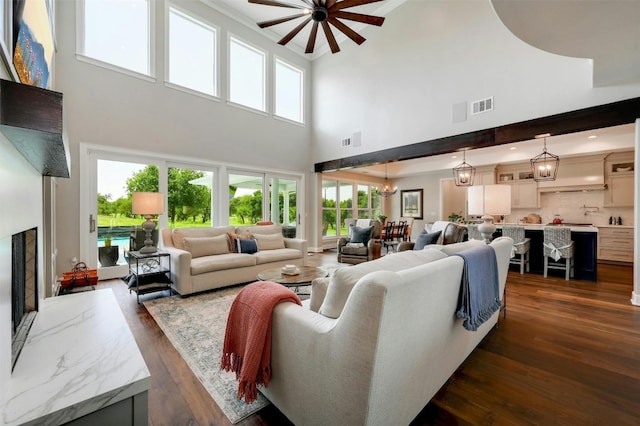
(106, 221)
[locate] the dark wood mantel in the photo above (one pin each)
(597, 117)
(31, 118)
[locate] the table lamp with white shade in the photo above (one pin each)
(488, 200)
(148, 204)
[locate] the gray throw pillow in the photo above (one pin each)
(425, 239)
(361, 235)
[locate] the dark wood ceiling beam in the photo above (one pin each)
(597, 117)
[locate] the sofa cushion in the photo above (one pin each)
(355, 249)
(179, 234)
(206, 246)
(277, 255)
(269, 241)
(259, 229)
(219, 262)
(361, 235)
(246, 245)
(426, 238)
(344, 278)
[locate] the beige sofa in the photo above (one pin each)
(202, 258)
(388, 344)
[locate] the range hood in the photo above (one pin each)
(588, 183)
(31, 119)
(577, 175)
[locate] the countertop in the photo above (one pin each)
(79, 357)
(538, 227)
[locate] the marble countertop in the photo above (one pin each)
(537, 226)
(79, 357)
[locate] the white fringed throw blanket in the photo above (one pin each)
(479, 289)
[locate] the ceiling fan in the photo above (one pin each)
(322, 12)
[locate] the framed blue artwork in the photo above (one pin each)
(33, 41)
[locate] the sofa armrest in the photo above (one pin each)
(405, 245)
(298, 244)
(318, 292)
(342, 241)
(180, 270)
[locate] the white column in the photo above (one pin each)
(635, 296)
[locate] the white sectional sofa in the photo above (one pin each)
(202, 258)
(385, 345)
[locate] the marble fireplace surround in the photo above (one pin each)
(79, 359)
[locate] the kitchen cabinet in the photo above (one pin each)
(524, 194)
(615, 244)
(524, 190)
(619, 169)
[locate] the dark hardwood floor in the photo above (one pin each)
(567, 353)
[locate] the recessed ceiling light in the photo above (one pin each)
(592, 136)
(454, 156)
(512, 148)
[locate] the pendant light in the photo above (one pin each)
(544, 166)
(386, 190)
(463, 174)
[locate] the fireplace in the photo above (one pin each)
(24, 288)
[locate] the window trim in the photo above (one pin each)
(265, 75)
(198, 20)
(277, 59)
(151, 47)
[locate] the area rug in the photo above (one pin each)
(195, 326)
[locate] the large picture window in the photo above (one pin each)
(192, 53)
(246, 75)
(118, 33)
(289, 91)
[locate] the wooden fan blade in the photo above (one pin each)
(286, 39)
(329, 3)
(265, 24)
(330, 38)
(357, 38)
(312, 38)
(344, 4)
(359, 17)
(277, 3)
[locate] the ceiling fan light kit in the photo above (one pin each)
(323, 13)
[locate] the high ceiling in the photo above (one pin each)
(250, 14)
(606, 31)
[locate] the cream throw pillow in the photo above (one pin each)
(207, 246)
(343, 279)
(269, 241)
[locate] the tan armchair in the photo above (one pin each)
(355, 253)
(451, 233)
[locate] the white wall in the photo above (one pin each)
(398, 88)
(21, 191)
(107, 108)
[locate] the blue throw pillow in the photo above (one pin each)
(247, 246)
(361, 235)
(424, 239)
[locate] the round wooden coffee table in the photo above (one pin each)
(305, 275)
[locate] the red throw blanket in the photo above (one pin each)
(247, 339)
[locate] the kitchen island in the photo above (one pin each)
(585, 238)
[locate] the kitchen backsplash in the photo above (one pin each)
(570, 207)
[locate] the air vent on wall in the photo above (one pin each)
(346, 142)
(483, 105)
